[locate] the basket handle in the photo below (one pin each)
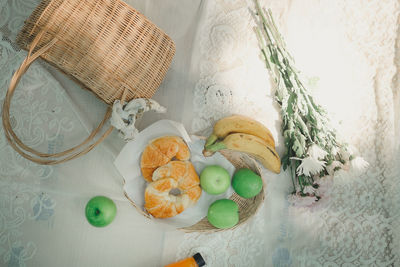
(28, 152)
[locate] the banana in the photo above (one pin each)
(251, 145)
(239, 124)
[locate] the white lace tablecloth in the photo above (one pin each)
(348, 52)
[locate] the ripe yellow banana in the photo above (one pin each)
(251, 145)
(239, 124)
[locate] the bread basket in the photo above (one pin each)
(106, 46)
(247, 207)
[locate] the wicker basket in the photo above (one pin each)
(247, 207)
(105, 45)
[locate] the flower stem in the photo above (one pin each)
(216, 147)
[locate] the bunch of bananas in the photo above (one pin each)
(246, 135)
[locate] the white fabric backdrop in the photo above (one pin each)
(349, 54)
(346, 50)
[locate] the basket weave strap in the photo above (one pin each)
(28, 152)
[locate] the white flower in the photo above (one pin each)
(316, 152)
(309, 166)
(358, 164)
(321, 136)
(334, 150)
(319, 127)
(299, 201)
(346, 152)
(331, 168)
(309, 190)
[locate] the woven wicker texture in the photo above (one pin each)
(247, 207)
(105, 44)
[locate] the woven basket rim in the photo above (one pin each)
(143, 82)
(47, 2)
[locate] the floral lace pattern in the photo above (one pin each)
(229, 63)
(359, 223)
(41, 122)
(13, 13)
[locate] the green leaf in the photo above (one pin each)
(285, 61)
(290, 104)
(287, 134)
(298, 148)
(285, 161)
(302, 126)
(274, 57)
(266, 59)
(303, 140)
(286, 79)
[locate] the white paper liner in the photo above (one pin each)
(128, 164)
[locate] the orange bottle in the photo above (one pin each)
(195, 261)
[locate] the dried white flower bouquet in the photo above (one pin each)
(314, 152)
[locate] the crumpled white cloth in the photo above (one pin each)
(124, 116)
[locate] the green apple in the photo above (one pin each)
(215, 180)
(100, 211)
(247, 183)
(223, 213)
